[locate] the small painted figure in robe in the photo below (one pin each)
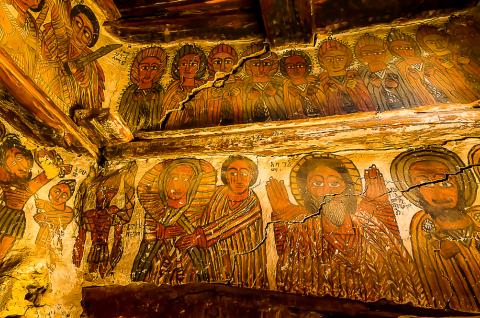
(142, 101)
(262, 90)
(445, 234)
(412, 68)
(19, 32)
(383, 80)
(99, 220)
(302, 95)
(341, 245)
(53, 216)
(464, 32)
(457, 81)
(232, 229)
(346, 93)
(65, 39)
(188, 68)
(174, 194)
(18, 186)
(224, 104)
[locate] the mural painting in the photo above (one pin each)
(102, 217)
(386, 69)
(445, 233)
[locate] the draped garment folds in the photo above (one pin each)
(451, 279)
(142, 108)
(414, 75)
(193, 112)
(237, 254)
(158, 260)
(263, 101)
(305, 100)
(450, 80)
(346, 94)
(224, 104)
(360, 260)
(392, 92)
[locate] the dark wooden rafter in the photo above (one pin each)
(32, 98)
(288, 21)
(163, 21)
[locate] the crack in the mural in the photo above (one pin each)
(217, 82)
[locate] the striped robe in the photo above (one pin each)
(263, 101)
(359, 260)
(142, 108)
(303, 101)
(452, 280)
(388, 98)
(230, 232)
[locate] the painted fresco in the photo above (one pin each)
(63, 48)
(404, 229)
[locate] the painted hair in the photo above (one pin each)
(80, 8)
(334, 45)
(221, 48)
(300, 53)
(396, 35)
(156, 52)
(71, 183)
(12, 141)
(185, 50)
(251, 165)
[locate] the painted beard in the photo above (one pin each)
(334, 208)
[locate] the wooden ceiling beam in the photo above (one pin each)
(288, 21)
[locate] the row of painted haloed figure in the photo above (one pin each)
(339, 238)
(393, 74)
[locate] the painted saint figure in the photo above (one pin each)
(413, 68)
(224, 104)
(346, 93)
(99, 220)
(302, 95)
(443, 70)
(141, 103)
(232, 229)
(66, 39)
(262, 91)
(19, 32)
(341, 246)
(384, 82)
(53, 216)
(188, 68)
(174, 194)
(465, 34)
(445, 234)
(18, 185)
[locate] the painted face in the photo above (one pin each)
(149, 68)
(222, 62)
(402, 48)
(323, 181)
(82, 31)
(178, 182)
(261, 67)
(17, 164)
(238, 176)
(296, 66)
(107, 191)
(442, 194)
(59, 194)
(437, 44)
(371, 54)
(335, 62)
(189, 65)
